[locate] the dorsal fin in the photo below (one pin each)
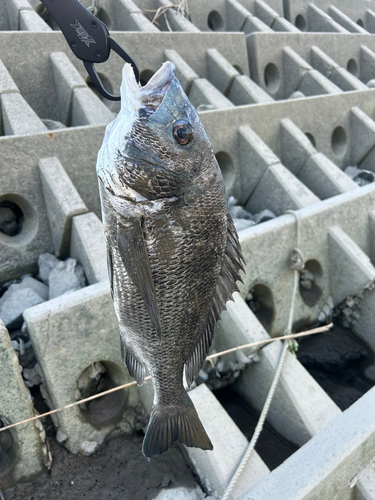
(226, 285)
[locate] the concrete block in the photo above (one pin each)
(295, 416)
(70, 334)
(283, 25)
(370, 20)
(176, 21)
(14, 7)
(235, 15)
(138, 22)
(265, 12)
(339, 76)
(365, 482)
(88, 247)
(62, 202)
(23, 449)
(324, 178)
(18, 116)
(371, 221)
(221, 72)
(255, 157)
(362, 135)
(7, 84)
(295, 145)
(216, 468)
(320, 21)
(324, 467)
(202, 92)
(30, 21)
(279, 191)
(185, 74)
(300, 76)
(314, 83)
(253, 24)
(350, 267)
(345, 21)
(4, 20)
(366, 64)
(66, 79)
(245, 91)
(89, 109)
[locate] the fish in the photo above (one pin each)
(174, 256)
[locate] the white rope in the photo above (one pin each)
(297, 264)
(94, 8)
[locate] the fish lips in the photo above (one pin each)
(151, 95)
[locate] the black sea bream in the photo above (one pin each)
(173, 253)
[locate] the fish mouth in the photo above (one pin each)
(151, 95)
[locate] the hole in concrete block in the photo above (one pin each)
(18, 222)
(8, 447)
(360, 23)
(103, 16)
(238, 68)
(99, 377)
(145, 76)
(215, 21)
(311, 138)
(226, 166)
(44, 13)
(311, 283)
(300, 22)
(352, 67)
(339, 142)
(260, 301)
(11, 218)
(272, 78)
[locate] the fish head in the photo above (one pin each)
(157, 146)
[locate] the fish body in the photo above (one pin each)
(173, 253)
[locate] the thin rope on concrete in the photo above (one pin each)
(297, 264)
(314, 331)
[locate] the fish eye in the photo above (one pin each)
(183, 132)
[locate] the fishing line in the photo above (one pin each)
(314, 331)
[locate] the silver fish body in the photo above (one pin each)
(173, 253)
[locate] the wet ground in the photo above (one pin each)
(271, 447)
(340, 362)
(116, 471)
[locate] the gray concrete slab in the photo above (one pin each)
(88, 247)
(69, 334)
(215, 468)
(294, 415)
(22, 447)
(62, 203)
(325, 466)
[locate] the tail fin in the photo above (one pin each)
(169, 424)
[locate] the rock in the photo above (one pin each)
(53, 124)
(89, 447)
(47, 262)
(263, 216)
(180, 493)
(360, 176)
(8, 221)
(237, 211)
(14, 302)
(32, 376)
(66, 277)
(37, 286)
(297, 95)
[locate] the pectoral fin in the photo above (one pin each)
(133, 251)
